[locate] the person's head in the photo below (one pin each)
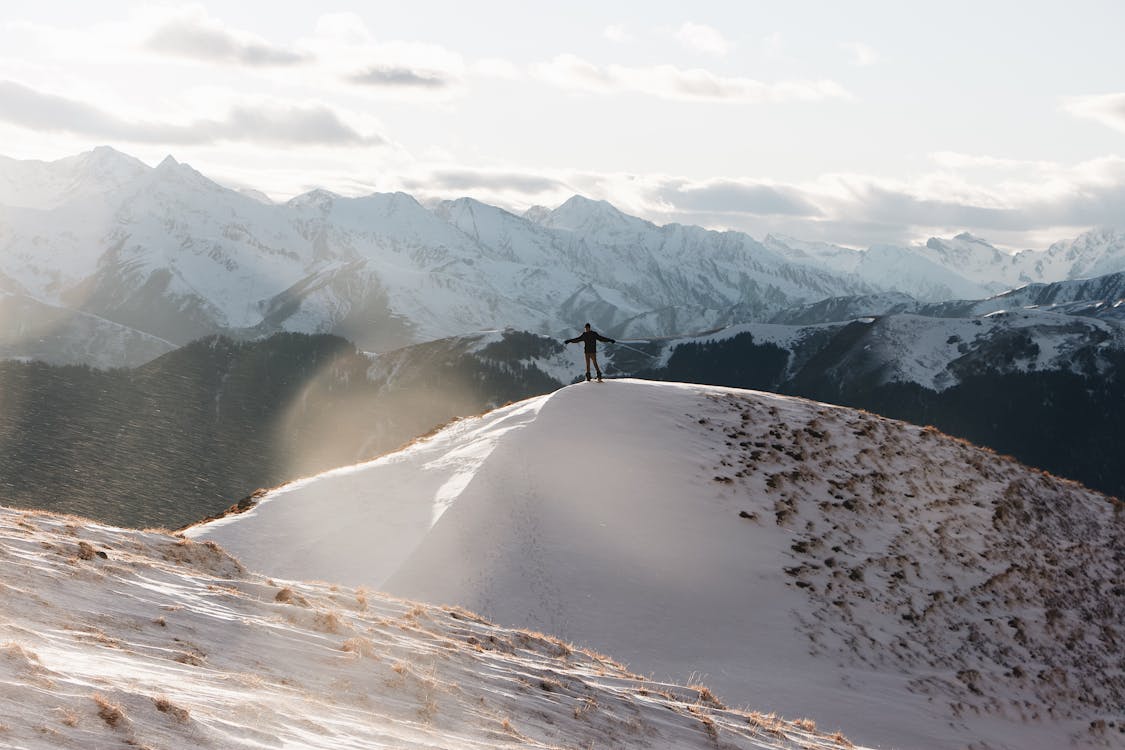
(587, 326)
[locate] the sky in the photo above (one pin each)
(855, 123)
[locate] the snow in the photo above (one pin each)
(801, 558)
(102, 231)
(120, 638)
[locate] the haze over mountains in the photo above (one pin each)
(173, 255)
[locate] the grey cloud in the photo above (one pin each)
(28, 108)
(191, 39)
(467, 179)
(1086, 206)
(290, 125)
(890, 207)
(738, 198)
(878, 215)
(399, 76)
(1103, 205)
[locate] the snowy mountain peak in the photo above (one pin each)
(968, 237)
(579, 213)
(88, 176)
(317, 198)
(536, 214)
(105, 162)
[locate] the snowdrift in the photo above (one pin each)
(883, 579)
(118, 638)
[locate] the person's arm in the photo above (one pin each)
(574, 341)
(605, 339)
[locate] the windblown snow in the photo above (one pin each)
(882, 579)
(117, 638)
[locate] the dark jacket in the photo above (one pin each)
(590, 339)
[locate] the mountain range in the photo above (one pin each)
(161, 255)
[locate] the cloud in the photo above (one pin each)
(396, 76)
(773, 45)
(192, 34)
(702, 38)
(667, 81)
(617, 33)
(348, 53)
(1108, 109)
(737, 197)
(463, 179)
(862, 54)
(494, 67)
(273, 123)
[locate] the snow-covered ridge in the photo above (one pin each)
(903, 586)
(119, 638)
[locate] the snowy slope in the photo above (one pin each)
(57, 335)
(1095, 253)
(964, 266)
(917, 271)
(874, 576)
(114, 638)
(935, 352)
(975, 259)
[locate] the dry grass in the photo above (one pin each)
(108, 711)
(428, 710)
(69, 718)
(706, 696)
(328, 622)
(460, 613)
(710, 728)
(190, 659)
(587, 704)
(86, 551)
(360, 646)
(289, 596)
(165, 706)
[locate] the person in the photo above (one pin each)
(590, 338)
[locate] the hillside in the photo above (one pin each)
(35, 331)
(191, 432)
(112, 638)
(905, 587)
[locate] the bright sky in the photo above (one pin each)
(856, 123)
